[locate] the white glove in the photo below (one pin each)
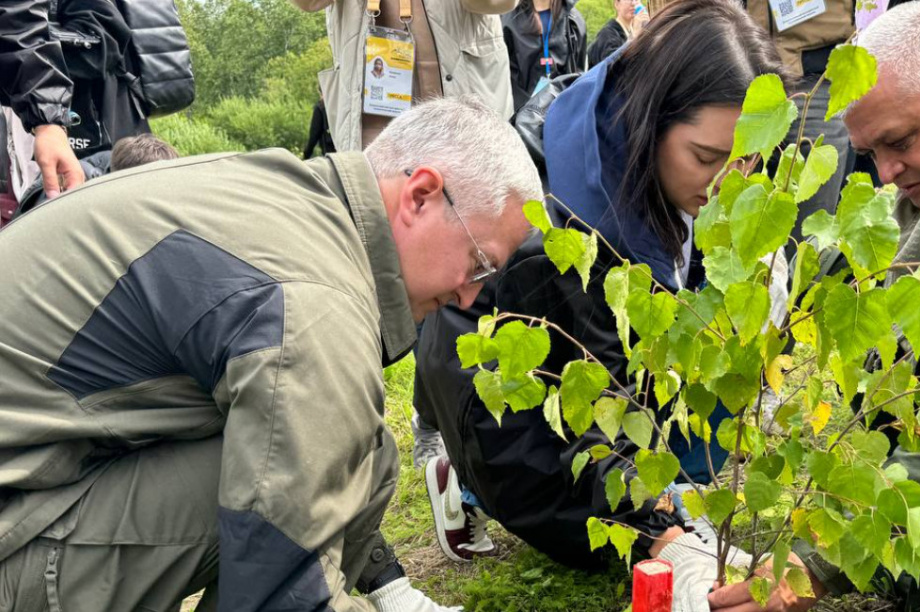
(779, 287)
(399, 596)
(696, 568)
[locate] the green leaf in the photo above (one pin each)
(651, 315)
(711, 229)
(618, 284)
(748, 305)
(638, 492)
(766, 117)
(552, 412)
(622, 539)
(903, 298)
(535, 212)
(856, 321)
(583, 264)
(761, 492)
(768, 466)
(913, 527)
(724, 268)
(806, 268)
(699, 400)
(582, 384)
(638, 428)
(614, 488)
(786, 166)
(826, 524)
(657, 469)
(819, 168)
(489, 388)
(719, 505)
(853, 482)
(598, 536)
(823, 227)
(780, 556)
(521, 348)
(893, 503)
(871, 446)
(666, 386)
(800, 583)
(852, 73)
(866, 225)
(761, 223)
(599, 452)
(819, 465)
(579, 463)
(523, 392)
(760, 589)
(564, 247)
(608, 413)
(694, 503)
(474, 349)
(872, 531)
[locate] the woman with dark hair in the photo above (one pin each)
(630, 148)
(545, 39)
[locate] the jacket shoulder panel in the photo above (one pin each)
(138, 331)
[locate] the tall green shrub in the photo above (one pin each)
(193, 136)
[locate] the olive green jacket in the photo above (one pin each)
(254, 295)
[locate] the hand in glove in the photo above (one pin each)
(399, 596)
(696, 568)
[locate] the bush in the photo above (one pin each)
(192, 136)
(260, 122)
(596, 14)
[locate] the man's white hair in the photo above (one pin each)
(894, 39)
(481, 158)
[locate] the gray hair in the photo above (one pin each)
(482, 159)
(894, 39)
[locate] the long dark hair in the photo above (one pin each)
(556, 8)
(695, 53)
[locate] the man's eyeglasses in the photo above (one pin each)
(484, 270)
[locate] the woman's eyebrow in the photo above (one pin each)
(709, 149)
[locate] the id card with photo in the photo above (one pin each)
(389, 57)
(789, 13)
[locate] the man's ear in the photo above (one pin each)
(421, 195)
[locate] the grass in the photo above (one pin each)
(518, 579)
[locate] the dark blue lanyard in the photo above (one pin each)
(547, 60)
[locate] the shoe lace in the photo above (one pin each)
(477, 526)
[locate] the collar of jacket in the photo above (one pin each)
(360, 192)
(585, 157)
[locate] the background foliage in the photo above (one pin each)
(256, 65)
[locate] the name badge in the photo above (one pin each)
(789, 13)
(389, 57)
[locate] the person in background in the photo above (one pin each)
(128, 152)
(545, 39)
(38, 89)
(319, 131)
(631, 147)
(629, 17)
(458, 50)
(138, 150)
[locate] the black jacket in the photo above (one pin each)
(83, 55)
(610, 38)
(35, 82)
(567, 48)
